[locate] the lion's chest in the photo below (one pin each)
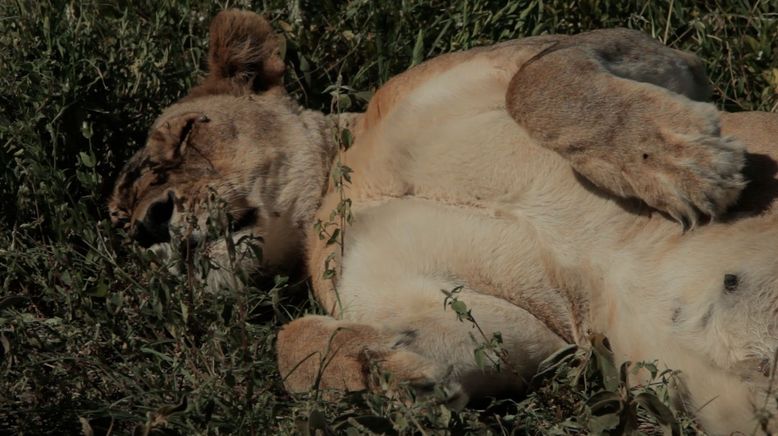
(406, 250)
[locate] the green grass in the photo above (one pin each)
(93, 334)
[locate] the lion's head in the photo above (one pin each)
(236, 143)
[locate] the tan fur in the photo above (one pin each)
(536, 177)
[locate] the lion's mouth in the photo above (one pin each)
(247, 218)
(154, 228)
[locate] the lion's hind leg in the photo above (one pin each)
(620, 107)
(423, 346)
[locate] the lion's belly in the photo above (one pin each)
(404, 253)
(449, 190)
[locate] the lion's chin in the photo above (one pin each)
(218, 264)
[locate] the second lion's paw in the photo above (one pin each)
(694, 176)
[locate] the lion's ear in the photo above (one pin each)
(167, 141)
(244, 50)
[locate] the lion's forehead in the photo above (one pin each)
(228, 118)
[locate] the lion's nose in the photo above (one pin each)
(154, 228)
(120, 219)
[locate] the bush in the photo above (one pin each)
(93, 337)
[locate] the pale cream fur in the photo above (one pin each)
(450, 191)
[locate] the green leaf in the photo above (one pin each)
(344, 102)
(280, 281)
(346, 139)
(365, 96)
(606, 409)
(87, 159)
(418, 49)
(318, 422)
(345, 172)
(605, 362)
(171, 409)
(12, 301)
(648, 366)
(600, 424)
(100, 290)
(663, 415)
(305, 67)
(459, 307)
(605, 402)
(164, 357)
(480, 357)
(550, 364)
(628, 421)
(624, 374)
(375, 424)
(334, 237)
(86, 130)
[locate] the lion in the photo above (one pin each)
(556, 185)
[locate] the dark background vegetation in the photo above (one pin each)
(94, 338)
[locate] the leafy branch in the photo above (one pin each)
(491, 347)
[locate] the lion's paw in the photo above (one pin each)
(319, 352)
(670, 154)
(691, 177)
(424, 376)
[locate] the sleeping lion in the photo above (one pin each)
(556, 185)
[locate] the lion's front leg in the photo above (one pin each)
(619, 106)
